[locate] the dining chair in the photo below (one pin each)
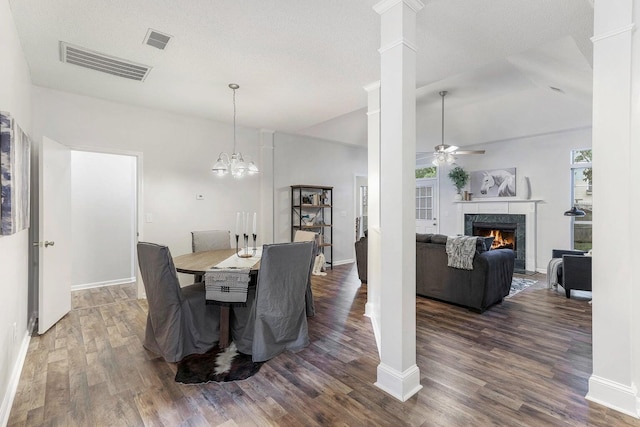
(309, 236)
(179, 322)
(275, 319)
(209, 240)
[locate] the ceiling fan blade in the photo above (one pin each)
(469, 152)
(450, 148)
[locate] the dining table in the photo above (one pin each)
(198, 263)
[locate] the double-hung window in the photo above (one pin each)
(582, 198)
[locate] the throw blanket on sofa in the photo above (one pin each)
(461, 250)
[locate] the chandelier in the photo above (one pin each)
(235, 163)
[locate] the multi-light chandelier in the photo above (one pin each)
(234, 164)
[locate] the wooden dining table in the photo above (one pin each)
(197, 263)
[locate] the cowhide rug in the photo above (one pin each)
(216, 366)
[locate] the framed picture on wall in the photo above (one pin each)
(493, 183)
(14, 176)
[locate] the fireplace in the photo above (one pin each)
(508, 230)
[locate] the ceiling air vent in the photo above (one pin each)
(100, 62)
(157, 39)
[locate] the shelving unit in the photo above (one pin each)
(312, 210)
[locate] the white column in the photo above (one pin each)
(398, 373)
(266, 227)
(374, 258)
(616, 201)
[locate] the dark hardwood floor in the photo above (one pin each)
(525, 362)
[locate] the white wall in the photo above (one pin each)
(103, 188)
(178, 153)
(310, 161)
(15, 98)
(546, 161)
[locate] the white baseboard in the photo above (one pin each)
(124, 281)
(613, 395)
(12, 387)
(369, 312)
(541, 270)
(344, 261)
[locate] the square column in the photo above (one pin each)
(398, 373)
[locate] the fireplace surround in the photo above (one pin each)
(510, 211)
(513, 226)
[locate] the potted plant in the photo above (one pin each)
(459, 177)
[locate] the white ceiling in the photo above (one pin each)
(302, 64)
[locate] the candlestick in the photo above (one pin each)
(237, 223)
(254, 223)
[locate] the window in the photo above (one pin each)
(582, 198)
(429, 172)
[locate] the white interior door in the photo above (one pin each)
(54, 267)
(426, 206)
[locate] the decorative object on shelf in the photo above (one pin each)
(234, 163)
(494, 183)
(312, 211)
(525, 188)
(459, 177)
(446, 154)
(574, 211)
(244, 227)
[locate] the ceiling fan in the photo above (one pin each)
(444, 153)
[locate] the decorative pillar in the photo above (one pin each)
(374, 283)
(616, 149)
(398, 373)
(267, 194)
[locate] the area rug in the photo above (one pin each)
(216, 366)
(519, 285)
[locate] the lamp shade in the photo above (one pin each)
(574, 211)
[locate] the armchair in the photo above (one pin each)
(576, 273)
(575, 270)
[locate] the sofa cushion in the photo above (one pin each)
(488, 241)
(423, 238)
(440, 239)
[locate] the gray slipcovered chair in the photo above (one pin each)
(275, 319)
(309, 236)
(209, 240)
(179, 322)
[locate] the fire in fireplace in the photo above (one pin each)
(504, 235)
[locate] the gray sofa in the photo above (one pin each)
(478, 289)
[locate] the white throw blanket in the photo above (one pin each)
(552, 272)
(461, 250)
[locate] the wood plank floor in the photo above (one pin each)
(525, 362)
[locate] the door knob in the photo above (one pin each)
(47, 243)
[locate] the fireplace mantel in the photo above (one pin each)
(525, 207)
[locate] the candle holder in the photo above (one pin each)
(244, 251)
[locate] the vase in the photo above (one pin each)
(525, 185)
(457, 197)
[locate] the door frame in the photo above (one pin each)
(139, 223)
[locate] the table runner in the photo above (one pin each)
(228, 281)
(234, 261)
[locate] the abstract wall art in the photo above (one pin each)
(15, 171)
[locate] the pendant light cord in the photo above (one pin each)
(234, 121)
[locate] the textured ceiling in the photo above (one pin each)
(302, 63)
